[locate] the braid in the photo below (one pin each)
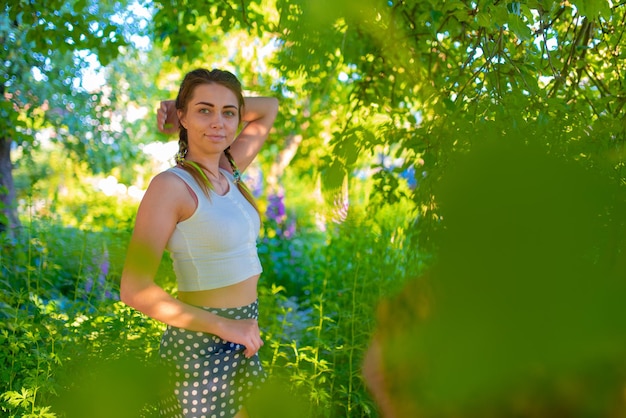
(233, 165)
(185, 93)
(182, 150)
(195, 169)
(240, 184)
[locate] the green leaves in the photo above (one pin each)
(185, 28)
(21, 399)
(525, 295)
(593, 8)
(43, 56)
(25, 400)
(519, 27)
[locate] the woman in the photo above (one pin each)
(202, 213)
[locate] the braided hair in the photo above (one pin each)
(197, 170)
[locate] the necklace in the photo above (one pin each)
(218, 184)
(216, 181)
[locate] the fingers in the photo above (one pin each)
(254, 342)
(160, 119)
(167, 120)
(161, 115)
(253, 348)
(244, 332)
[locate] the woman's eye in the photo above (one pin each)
(230, 113)
(204, 111)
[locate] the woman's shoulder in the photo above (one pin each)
(174, 171)
(169, 180)
(167, 189)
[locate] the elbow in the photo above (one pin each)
(137, 293)
(126, 293)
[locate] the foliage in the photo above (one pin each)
(62, 82)
(46, 52)
(403, 77)
(65, 318)
(519, 314)
(382, 94)
(342, 286)
(60, 312)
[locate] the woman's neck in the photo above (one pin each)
(209, 163)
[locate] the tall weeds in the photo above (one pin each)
(61, 319)
(319, 337)
(59, 309)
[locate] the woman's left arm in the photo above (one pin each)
(258, 117)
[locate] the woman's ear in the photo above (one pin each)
(181, 118)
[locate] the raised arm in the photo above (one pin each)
(258, 117)
(167, 118)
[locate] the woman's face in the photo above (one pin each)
(211, 119)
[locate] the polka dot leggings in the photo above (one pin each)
(211, 377)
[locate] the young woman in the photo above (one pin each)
(202, 213)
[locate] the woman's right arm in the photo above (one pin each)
(159, 212)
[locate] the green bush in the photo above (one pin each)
(63, 326)
(317, 338)
(59, 309)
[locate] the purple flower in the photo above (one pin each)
(290, 230)
(276, 208)
(104, 265)
(88, 285)
(96, 281)
(277, 213)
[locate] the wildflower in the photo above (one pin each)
(97, 281)
(276, 208)
(320, 222)
(289, 230)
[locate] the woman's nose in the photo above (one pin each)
(216, 120)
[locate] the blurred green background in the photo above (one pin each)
(479, 144)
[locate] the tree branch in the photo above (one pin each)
(244, 16)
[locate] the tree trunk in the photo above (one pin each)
(8, 210)
(282, 161)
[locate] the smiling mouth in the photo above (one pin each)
(215, 137)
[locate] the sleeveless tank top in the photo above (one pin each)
(216, 246)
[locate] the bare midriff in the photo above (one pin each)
(233, 296)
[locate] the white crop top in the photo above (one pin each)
(216, 246)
